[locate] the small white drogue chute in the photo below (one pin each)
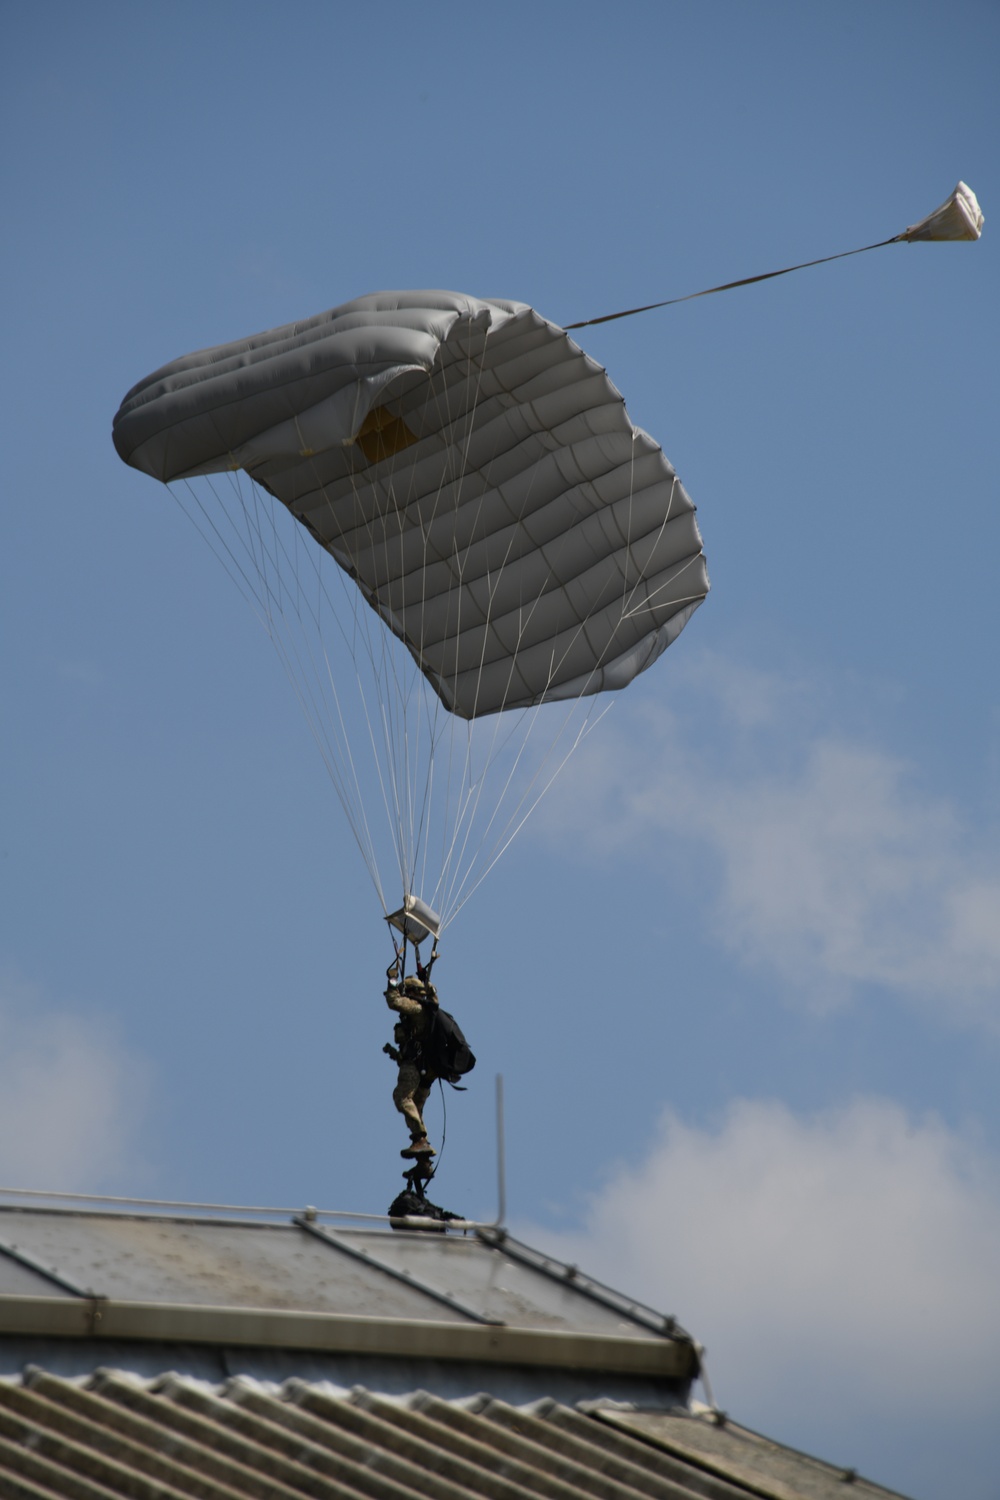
(958, 218)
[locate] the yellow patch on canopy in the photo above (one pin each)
(382, 435)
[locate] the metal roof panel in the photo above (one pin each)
(486, 1278)
(310, 1267)
(215, 1262)
(182, 1437)
(741, 1456)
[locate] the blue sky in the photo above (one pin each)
(741, 972)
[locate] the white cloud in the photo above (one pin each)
(835, 867)
(832, 1265)
(70, 1097)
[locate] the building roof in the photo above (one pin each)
(312, 1295)
(116, 1434)
(148, 1355)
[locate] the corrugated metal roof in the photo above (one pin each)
(114, 1435)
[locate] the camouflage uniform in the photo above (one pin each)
(414, 1083)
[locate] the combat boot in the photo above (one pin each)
(419, 1146)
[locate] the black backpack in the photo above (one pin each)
(444, 1050)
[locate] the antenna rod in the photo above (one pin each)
(501, 1168)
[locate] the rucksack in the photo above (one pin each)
(444, 1050)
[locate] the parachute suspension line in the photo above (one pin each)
(455, 419)
(468, 406)
(458, 774)
(472, 783)
(307, 678)
(530, 796)
(628, 595)
(380, 650)
(474, 786)
(265, 561)
(406, 747)
(427, 715)
(303, 673)
(405, 744)
(413, 755)
(458, 890)
(647, 602)
(351, 596)
(275, 605)
(222, 550)
(344, 739)
(361, 620)
(629, 611)
(512, 827)
(526, 722)
(393, 707)
(376, 651)
(371, 858)
(463, 866)
(628, 525)
(533, 794)
(528, 801)
(574, 637)
(461, 774)
(404, 739)
(474, 789)
(379, 653)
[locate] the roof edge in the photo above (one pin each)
(105, 1318)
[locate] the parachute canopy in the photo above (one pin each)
(469, 467)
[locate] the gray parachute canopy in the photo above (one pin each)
(473, 471)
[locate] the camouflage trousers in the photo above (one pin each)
(410, 1095)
